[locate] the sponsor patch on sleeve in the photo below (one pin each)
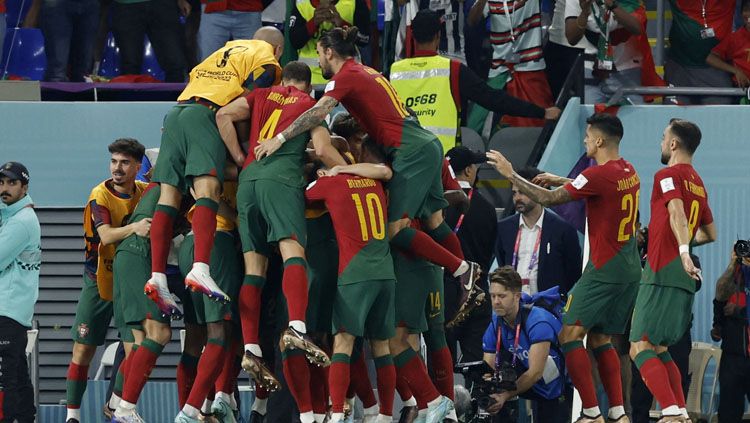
(330, 86)
(579, 182)
(667, 184)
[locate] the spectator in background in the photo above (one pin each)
(20, 259)
(731, 55)
(476, 230)
(697, 27)
(517, 62)
(621, 57)
(542, 247)
(437, 88)
(559, 54)
(159, 19)
(69, 28)
(311, 18)
(226, 20)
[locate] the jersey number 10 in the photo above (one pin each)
(374, 212)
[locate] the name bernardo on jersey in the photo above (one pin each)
(360, 183)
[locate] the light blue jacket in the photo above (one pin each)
(20, 259)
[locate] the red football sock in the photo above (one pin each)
(360, 380)
(209, 368)
(249, 305)
(656, 377)
(421, 245)
(339, 381)
(448, 239)
(229, 369)
(187, 369)
(319, 388)
(76, 381)
(297, 376)
(161, 236)
(294, 285)
(675, 378)
(608, 364)
(402, 386)
(579, 368)
(140, 365)
(413, 369)
(386, 383)
(204, 228)
(442, 369)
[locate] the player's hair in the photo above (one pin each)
(129, 147)
(528, 172)
(345, 125)
(745, 3)
(507, 277)
(688, 133)
(425, 26)
(296, 71)
(341, 41)
(609, 125)
(375, 150)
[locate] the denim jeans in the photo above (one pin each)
(604, 90)
(159, 19)
(219, 27)
(69, 28)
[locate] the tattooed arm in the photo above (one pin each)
(305, 122)
(538, 194)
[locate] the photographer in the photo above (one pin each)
(731, 325)
(522, 340)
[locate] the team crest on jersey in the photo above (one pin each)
(83, 330)
(579, 182)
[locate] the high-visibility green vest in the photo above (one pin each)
(424, 84)
(309, 53)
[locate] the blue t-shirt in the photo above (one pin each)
(539, 326)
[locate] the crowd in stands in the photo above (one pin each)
(526, 47)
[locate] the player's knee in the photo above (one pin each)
(216, 331)
(638, 347)
(83, 353)
(396, 227)
(161, 334)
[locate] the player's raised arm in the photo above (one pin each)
(324, 150)
(237, 110)
(538, 194)
(366, 170)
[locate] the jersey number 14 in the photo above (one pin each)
(374, 212)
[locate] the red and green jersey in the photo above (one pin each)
(371, 99)
(736, 49)
(272, 110)
(675, 182)
(358, 210)
(450, 183)
(687, 47)
(611, 191)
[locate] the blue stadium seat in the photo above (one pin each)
(110, 65)
(23, 54)
(15, 9)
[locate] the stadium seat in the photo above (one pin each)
(15, 11)
(150, 64)
(110, 64)
(702, 398)
(108, 359)
(31, 336)
(472, 140)
(515, 143)
(24, 56)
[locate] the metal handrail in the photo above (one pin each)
(671, 91)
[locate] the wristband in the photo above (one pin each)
(684, 248)
(281, 138)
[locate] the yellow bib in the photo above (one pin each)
(309, 53)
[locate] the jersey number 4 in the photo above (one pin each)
(268, 130)
(375, 214)
(630, 207)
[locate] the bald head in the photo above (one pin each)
(272, 36)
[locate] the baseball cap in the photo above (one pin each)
(15, 171)
(461, 157)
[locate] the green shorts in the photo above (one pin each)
(413, 284)
(600, 307)
(661, 315)
(226, 270)
(322, 275)
(365, 309)
(93, 315)
(269, 211)
(132, 268)
(416, 189)
(190, 146)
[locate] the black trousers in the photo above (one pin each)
(559, 60)
(556, 410)
(641, 398)
(159, 19)
(734, 385)
(16, 390)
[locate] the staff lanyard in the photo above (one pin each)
(534, 254)
(499, 346)
(461, 218)
(602, 24)
(509, 15)
(703, 13)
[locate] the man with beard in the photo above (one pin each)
(538, 244)
(109, 206)
(680, 217)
